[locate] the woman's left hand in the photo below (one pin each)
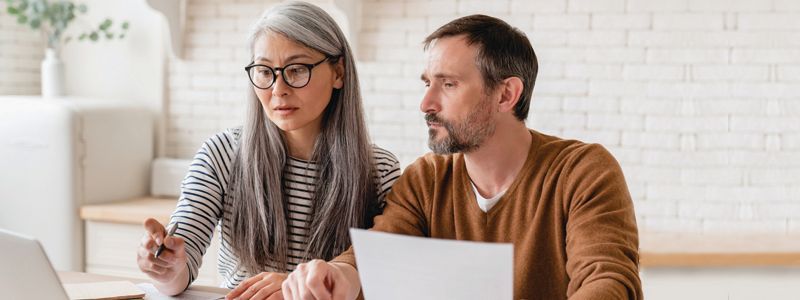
(266, 285)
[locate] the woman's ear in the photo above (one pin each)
(338, 72)
(509, 95)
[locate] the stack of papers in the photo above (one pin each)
(103, 290)
(395, 266)
(154, 294)
(113, 290)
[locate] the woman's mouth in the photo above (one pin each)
(285, 110)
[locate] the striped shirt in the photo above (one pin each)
(202, 206)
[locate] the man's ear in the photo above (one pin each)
(338, 72)
(511, 89)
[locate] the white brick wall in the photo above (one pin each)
(698, 100)
(21, 54)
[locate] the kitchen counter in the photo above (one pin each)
(657, 249)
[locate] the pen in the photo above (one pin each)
(170, 232)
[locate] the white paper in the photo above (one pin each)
(151, 293)
(102, 290)
(395, 266)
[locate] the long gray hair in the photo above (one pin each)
(345, 189)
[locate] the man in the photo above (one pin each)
(563, 204)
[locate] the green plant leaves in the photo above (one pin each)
(53, 17)
(105, 25)
(23, 6)
(39, 7)
(35, 23)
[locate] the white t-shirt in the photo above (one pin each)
(483, 203)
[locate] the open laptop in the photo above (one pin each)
(25, 270)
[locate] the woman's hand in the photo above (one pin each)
(168, 270)
(266, 285)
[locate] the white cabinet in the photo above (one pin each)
(721, 283)
(114, 231)
(59, 154)
(720, 266)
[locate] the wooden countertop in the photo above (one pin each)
(134, 211)
(719, 250)
(656, 249)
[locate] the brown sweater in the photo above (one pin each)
(568, 214)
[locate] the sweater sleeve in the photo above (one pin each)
(404, 212)
(602, 238)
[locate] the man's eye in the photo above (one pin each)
(449, 84)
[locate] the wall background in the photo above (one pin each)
(698, 100)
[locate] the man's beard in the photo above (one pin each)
(464, 136)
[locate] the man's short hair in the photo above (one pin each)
(503, 52)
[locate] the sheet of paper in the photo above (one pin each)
(103, 290)
(395, 266)
(154, 294)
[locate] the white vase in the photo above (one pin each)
(52, 75)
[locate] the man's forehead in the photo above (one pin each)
(450, 52)
(450, 44)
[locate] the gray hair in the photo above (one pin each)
(345, 193)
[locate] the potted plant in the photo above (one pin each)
(51, 19)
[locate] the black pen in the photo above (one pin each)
(170, 232)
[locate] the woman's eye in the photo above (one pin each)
(296, 71)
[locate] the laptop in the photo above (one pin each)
(25, 270)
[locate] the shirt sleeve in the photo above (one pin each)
(404, 212)
(200, 204)
(602, 237)
(388, 170)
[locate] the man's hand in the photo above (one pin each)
(266, 285)
(321, 280)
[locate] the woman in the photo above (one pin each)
(286, 186)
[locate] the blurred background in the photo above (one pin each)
(698, 100)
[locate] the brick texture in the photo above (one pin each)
(698, 100)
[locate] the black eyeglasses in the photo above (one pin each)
(295, 75)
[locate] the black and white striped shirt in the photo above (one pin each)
(202, 204)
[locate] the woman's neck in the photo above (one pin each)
(300, 142)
